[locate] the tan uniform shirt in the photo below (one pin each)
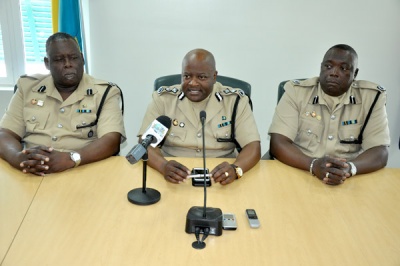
(303, 115)
(184, 138)
(38, 114)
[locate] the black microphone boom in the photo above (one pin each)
(204, 218)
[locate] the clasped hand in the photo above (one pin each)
(41, 160)
(332, 171)
(177, 173)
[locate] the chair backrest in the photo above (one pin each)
(226, 81)
(281, 89)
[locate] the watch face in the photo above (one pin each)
(239, 171)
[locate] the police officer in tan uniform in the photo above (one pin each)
(183, 104)
(55, 115)
(322, 124)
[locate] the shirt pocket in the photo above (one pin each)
(223, 140)
(35, 119)
(176, 136)
(349, 134)
(223, 133)
(83, 121)
(309, 135)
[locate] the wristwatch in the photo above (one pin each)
(239, 171)
(353, 169)
(76, 157)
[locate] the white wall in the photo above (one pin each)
(262, 42)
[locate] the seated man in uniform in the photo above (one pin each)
(54, 115)
(183, 103)
(333, 125)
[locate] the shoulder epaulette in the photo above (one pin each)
(168, 89)
(363, 84)
(34, 76)
(230, 91)
(305, 82)
(100, 82)
(113, 84)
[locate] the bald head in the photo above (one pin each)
(200, 56)
(198, 74)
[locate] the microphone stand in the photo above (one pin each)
(206, 220)
(144, 196)
(204, 167)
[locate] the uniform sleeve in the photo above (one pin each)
(13, 117)
(246, 130)
(154, 110)
(376, 131)
(286, 116)
(111, 119)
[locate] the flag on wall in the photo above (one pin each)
(66, 16)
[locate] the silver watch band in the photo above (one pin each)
(353, 169)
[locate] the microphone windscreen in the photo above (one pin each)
(165, 120)
(203, 115)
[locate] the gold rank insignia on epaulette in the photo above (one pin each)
(163, 89)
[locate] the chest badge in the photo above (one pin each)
(349, 122)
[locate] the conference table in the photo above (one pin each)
(82, 217)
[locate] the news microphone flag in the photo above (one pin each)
(66, 17)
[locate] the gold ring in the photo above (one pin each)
(226, 174)
(327, 175)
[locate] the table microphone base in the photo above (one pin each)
(138, 197)
(213, 220)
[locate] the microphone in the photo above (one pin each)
(203, 116)
(202, 219)
(153, 136)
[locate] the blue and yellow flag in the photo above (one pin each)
(66, 17)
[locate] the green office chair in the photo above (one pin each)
(281, 91)
(226, 81)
